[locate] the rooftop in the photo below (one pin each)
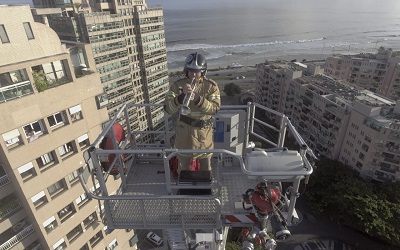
(324, 85)
(281, 64)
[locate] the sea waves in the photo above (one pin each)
(200, 46)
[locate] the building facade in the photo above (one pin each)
(273, 81)
(372, 141)
(319, 107)
(129, 48)
(49, 117)
(354, 126)
(379, 73)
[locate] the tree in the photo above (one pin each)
(232, 89)
(77, 6)
(233, 246)
(40, 80)
(335, 190)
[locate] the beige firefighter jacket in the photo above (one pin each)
(187, 136)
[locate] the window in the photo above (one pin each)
(13, 77)
(90, 220)
(74, 233)
(83, 141)
(75, 113)
(12, 138)
(28, 30)
(50, 224)
(34, 130)
(56, 119)
(66, 212)
(57, 187)
(85, 247)
(46, 160)
(96, 188)
(54, 71)
(39, 199)
(60, 245)
(73, 177)
(81, 200)
(65, 149)
(3, 34)
(27, 171)
(96, 239)
(113, 244)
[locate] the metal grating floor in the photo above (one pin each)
(149, 179)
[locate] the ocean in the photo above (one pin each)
(240, 33)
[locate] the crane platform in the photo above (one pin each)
(148, 196)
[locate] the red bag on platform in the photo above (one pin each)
(173, 165)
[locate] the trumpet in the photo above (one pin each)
(185, 110)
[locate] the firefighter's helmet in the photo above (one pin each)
(196, 62)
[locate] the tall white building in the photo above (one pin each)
(49, 116)
(273, 80)
(129, 48)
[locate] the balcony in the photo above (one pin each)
(35, 246)
(389, 170)
(11, 92)
(8, 205)
(16, 238)
(4, 180)
(391, 160)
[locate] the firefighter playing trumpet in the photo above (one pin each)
(194, 127)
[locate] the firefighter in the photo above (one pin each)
(194, 130)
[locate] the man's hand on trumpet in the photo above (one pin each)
(187, 90)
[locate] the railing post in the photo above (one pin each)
(100, 178)
(293, 197)
(282, 131)
(166, 127)
(249, 124)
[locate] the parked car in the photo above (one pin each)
(154, 238)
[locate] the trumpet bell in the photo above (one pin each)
(185, 110)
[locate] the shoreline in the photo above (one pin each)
(251, 61)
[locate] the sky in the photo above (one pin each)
(175, 4)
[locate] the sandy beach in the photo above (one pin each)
(252, 60)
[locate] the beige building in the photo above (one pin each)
(319, 107)
(372, 142)
(379, 73)
(48, 118)
(273, 81)
(354, 126)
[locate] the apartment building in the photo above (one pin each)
(348, 124)
(379, 73)
(129, 48)
(273, 81)
(319, 107)
(372, 141)
(49, 117)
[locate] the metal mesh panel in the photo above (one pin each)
(164, 213)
